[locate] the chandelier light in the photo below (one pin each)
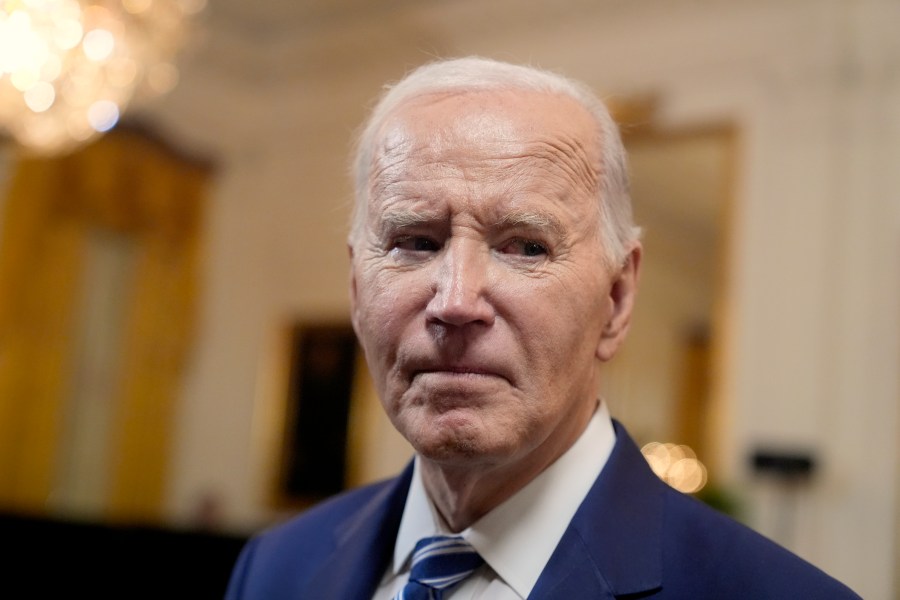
(69, 68)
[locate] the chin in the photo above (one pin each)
(454, 430)
(462, 446)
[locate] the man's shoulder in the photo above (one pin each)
(703, 544)
(284, 558)
(681, 545)
(327, 516)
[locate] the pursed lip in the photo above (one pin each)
(457, 369)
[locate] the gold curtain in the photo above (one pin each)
(129, 184)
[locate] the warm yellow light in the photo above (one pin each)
(52, 68)
(24, 79)
(122, 72)
(68, 32)
(677, 465)
(78, 88)
(98, 44)
(68, 68)
(21, 46)
(78, 128)
(40, 97)
(136, 7)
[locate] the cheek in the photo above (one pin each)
(550, 312)
(375, 326)
(385, 307)
(554, 332)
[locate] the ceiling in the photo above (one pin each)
(299, 71)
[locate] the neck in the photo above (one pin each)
(462, 494)
(461, 498)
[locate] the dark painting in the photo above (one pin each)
(321, 385)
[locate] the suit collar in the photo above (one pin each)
(613, 545)
(615, 539)
(364, 545)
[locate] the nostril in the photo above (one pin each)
(459, 310)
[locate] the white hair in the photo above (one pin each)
(617, 228)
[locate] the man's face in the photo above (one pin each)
(480, 292)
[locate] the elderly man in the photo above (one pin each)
(494, 270)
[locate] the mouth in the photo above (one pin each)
(458, 372)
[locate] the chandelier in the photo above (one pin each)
(69, 68)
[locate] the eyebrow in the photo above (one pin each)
(402, 219)
(531, 220)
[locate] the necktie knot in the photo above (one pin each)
(439, 563)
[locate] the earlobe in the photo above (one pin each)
(622, 293)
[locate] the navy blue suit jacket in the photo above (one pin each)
(632, 537)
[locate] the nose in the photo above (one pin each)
(460, 286)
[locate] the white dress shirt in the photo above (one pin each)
(516, 538)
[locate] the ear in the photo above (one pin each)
(622, 293)
(353, 292)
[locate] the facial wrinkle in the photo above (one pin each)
(566, 158)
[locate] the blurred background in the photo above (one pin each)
(177, 369)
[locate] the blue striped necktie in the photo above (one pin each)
(437, 564)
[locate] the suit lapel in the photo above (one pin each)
(612, 547)
(571, 572)
(614, 544)
(363, 546)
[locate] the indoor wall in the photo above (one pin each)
(807, 351)
(781, 288)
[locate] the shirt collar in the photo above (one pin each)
(534, 518)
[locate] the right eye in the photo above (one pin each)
(416, 243)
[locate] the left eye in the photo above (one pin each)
(524, 248)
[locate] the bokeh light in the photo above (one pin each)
(69, 68)
(677, 465)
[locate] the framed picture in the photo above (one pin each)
(320, 387)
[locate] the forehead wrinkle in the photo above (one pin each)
(384, 172)
(562, 167)
(401, 170)
(556, 164)
(561, 156)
